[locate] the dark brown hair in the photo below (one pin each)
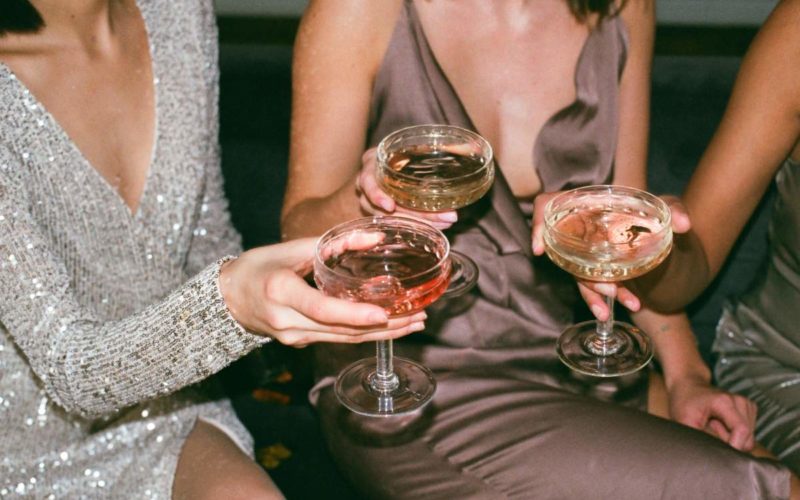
(581, 9)
(19, 16)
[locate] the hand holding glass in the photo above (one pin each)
(609, 234)
(431, 168)
(403, 267)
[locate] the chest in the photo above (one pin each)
(510, 78)
(85, 218)
(103, 100)
(118, 100)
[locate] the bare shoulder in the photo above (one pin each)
(339, 30)
(637, 14)
(781, 30)
(777, 44)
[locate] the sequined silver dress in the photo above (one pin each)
(109, 319)
(758, 339)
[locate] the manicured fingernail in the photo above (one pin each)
(448, 217)
(378, 317)
(606, 289)
(417, 327)
(597, 311)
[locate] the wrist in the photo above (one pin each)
(226, 285)
(697, 375)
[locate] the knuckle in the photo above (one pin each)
(291, 339)
(275, 284)
(275, 320)
(316, 309)
(368, 154)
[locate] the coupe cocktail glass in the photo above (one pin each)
(402, 265)
(609, 234)
(433, 168)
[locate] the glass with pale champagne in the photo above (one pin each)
(606, 233)
(433, 168)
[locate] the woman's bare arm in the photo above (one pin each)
(760, 126)
(692, 400)
(339, 48)
(630, 161)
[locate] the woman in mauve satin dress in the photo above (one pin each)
(561, 91)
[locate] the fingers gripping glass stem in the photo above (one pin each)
(607, 234)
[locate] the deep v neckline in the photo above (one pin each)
(454, 96)
(34, 104)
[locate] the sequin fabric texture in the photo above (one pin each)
(108, 319)
(758, 342)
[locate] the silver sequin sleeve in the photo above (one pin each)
(93, 367)
(214, 235)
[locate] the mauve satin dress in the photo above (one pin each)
(508, 420)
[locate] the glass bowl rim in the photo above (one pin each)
(375, 219)
(382, 155)
(655, 201)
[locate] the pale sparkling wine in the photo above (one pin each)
(400, 276)
(608, 243)
(428, 179)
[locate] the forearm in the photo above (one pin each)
(675, 346)
(693, 401)
(315, 215)
(186, 337)
(679, 280)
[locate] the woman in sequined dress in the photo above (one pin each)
(115, 296)
(560, 89)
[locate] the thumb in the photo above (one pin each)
(297, 255)
(681, 223)
(537, 234)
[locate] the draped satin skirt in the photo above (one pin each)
(496, 434)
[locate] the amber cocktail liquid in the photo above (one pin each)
(391, 275)
(607, 243)
(431, 179)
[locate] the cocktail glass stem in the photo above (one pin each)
(605, 343)
(384, 380)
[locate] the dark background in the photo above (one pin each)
(693, 73)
